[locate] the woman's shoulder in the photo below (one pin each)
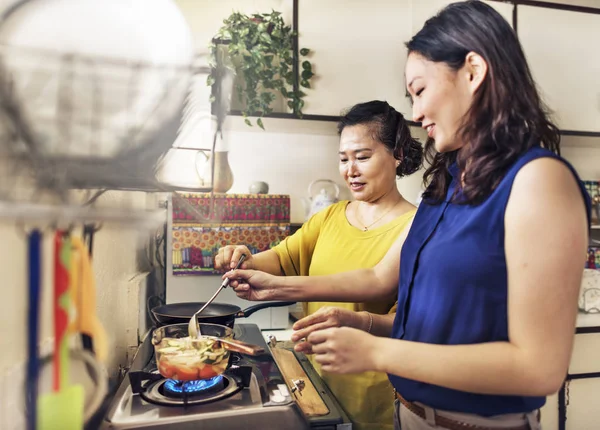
(331, 213)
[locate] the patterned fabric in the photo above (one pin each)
(259, 221)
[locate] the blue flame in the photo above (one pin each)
(179, 387)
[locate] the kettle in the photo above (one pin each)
(322, 198)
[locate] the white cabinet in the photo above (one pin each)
(561, 50)
(358, 52)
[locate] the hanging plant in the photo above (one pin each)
(259, 48)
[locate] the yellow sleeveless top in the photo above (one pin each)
(327, 244)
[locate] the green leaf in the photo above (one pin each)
(305, 83)
(306, 65)
(290, 104)
(210, 80)
(306, 74)
(212, 99)
(260, 123)
(247, 121)
(267, 97)
(304, 51)
(264, 37)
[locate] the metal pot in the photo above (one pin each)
(216, 313)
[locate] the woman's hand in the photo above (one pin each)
(346, 350)
(252, 285)
(228, 256)
(326, 317)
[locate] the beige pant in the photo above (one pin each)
(406, 420)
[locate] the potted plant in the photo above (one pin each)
(260, 50)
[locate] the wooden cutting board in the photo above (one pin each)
(308, 399)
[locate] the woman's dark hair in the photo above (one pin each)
(388, 127)
(507, 115)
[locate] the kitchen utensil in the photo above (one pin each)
(193, 324)
(63, 407)
(216, 313)
(321, 199)
(297, 380)
(83, 291)
(34, 252)
(184, 358)
(84, 370)
(132, 88)
(237, 345)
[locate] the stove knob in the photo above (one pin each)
(284, 389)
(277, 397)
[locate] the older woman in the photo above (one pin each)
(375, 148)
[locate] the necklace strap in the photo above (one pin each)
(366, 227)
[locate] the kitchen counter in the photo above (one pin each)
(280, 334)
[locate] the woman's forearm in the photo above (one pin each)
(486, 368)
(382, 325)
(355, 286)
(267, 261)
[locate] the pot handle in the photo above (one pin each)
(250, 310)
(149, 308)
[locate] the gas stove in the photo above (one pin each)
(251, 394)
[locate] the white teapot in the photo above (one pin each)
(322, 198)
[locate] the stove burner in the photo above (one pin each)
(192, 387)
(156, 392)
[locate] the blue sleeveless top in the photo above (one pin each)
(453, 288)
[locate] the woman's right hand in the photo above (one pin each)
(252, 285)
(326, 317)
(228, 256)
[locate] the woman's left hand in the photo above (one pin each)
(346, 350)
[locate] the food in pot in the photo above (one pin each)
(187, 359)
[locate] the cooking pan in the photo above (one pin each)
(216, 313)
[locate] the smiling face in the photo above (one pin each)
(441, 96)
(367, 165)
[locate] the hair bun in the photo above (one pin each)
(412, 159)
